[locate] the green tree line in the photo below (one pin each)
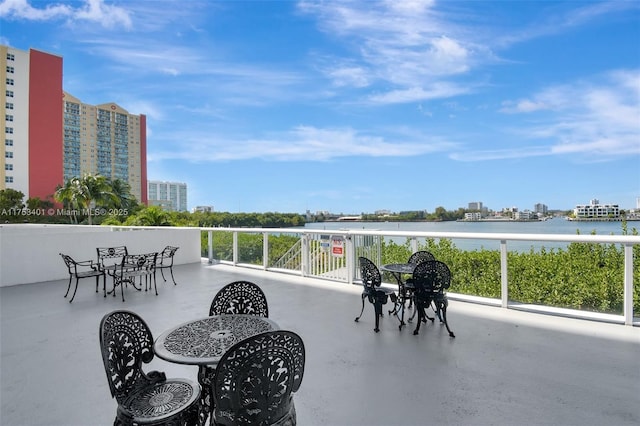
(95, 199)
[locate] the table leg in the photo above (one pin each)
(205, 410)
(400, 301)
(396, 305)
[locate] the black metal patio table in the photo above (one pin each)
(404, 292)
(203, 342)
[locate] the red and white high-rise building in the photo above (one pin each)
(49, 136)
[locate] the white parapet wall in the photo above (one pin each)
(29, 253)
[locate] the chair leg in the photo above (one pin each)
(68, 286)
(378, 311)
(74, 290)
(443, 308)
(155, 284)
(162, 273)
(97, 282)
(173, 279)
(358, 317)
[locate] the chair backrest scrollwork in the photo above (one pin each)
(108, 256)
(126, 342)
(256, 377)
(420, 256)
(431, 277)
(141, 262)
(240, 297)
(369, 273)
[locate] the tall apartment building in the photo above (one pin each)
(31, 126)
(49, 136)
(105, 139)
(170, 196)
(475, 205)
(540, 209)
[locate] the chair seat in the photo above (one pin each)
(89, 274)
(160, 401)
(384, 290)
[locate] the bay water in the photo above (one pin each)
(551, 226)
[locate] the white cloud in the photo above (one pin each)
(501, 154)
(303, 143)
(21, 9)
(106, 15)
(91, 11)
(597, 119)
(415, 94)
(407, 45)
(354, 76)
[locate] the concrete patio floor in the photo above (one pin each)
(505, 367)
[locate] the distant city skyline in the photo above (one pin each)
(531, 208)
(289, 106)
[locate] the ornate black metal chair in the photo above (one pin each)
(132, 266)
(256, 378)
(377, 295)
(406, 290)
(165, 261)
(238, 297)
(143, 398)
(431, 279)
(83, 269)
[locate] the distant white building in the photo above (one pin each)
(595, 210)
(202, 209)
(540, 209)
(475, 205)
(524, 215)
(473, 216)
(170, 196)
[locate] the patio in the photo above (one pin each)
(504, 367)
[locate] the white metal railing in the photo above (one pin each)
(333, 254)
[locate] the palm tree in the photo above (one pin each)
(85, 193)
(96, 190)
(122, 197)
(67, 195)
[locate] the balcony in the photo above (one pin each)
(505, 366)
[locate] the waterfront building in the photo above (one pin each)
(170, 196)
(473, 216)
(523, 215)
(595, 210)
(49, 136)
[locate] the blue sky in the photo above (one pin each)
(358, 106)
